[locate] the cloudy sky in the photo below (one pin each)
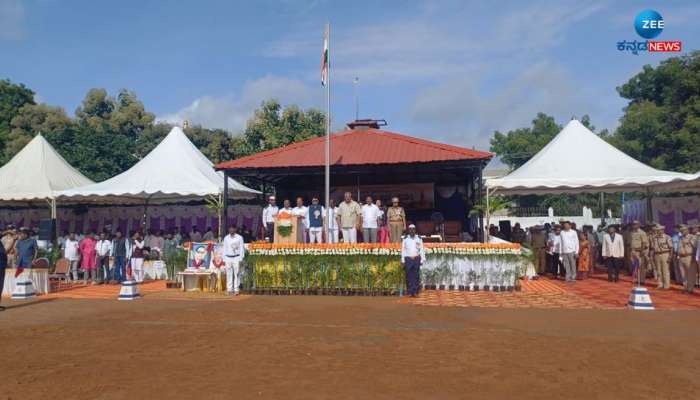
(452, 71)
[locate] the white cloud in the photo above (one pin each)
(11, 20)
(231, 112)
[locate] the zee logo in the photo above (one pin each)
(649, 24)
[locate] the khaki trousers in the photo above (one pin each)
(662, 270)
(643, 264)
(541, 261)
(396, 229)
(691, 271)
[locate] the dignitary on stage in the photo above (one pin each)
(370, 221)
(397, 221)
(412, 256)
(268, 219)
(102, 249)
(332, 222)
(315, 215)
(349, 218)
(302, 214)
(88, 257)
(137, 256)
(120, 252)
(71, 252)
(234, 251)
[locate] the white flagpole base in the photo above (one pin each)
(129, 291)
(23, 289)
(640, 299)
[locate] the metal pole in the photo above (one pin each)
(328, 131)
(225, 201)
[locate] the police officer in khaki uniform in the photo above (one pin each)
(686, 252)
(662, 247)
(650, 230)
(639, 249)
(538, 239)
(626, 231)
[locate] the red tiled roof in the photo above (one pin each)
(357, 147)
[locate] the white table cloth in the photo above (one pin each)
(38, 276)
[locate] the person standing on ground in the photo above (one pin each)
(639, 249)
(302, 214)
(332, 222)
(397, 221)
(383, 232)
(569, 251)
(102, 250)
(348, 218)
(678, 274)
(137, 257)
(518, 234)
(3, 268)
(554, 244)
(316, 215)
(370, 221)
(687, 249)
(268, 218)
(88, 257)
(613, 253)
(8, 240)
(195, 236)
(584, 256)
(71, 252)
(538, 240)
(120, 252)
(662, 246)
(234, 252)
(26, 250)
(412, 256)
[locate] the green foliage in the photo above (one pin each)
(110, 134)
(661, 124)
(496, 203)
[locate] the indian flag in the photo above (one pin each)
(324, 59)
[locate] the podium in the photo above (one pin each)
(291, 223)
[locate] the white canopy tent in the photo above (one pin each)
(578, 161)
(38, 173)
(174, 171)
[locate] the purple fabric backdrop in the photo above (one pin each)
(668, 220)
(689, 216)
(170, 223)
(155, 224)
(186, 224)
(122, 226)
(202, 224)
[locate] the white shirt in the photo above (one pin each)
(370, 214)
(569, 241)
(300, 212)
(613, 247)
(70, 250)
(269, 213)
(412, 247)
(332, 213)
(234, 246)
(556, 243)
(103, 247)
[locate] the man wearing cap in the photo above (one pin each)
(397, 221)
(268, 218)
(686, 251)
(639, 249)
(412, 256)
(538, 239)
(662, 246)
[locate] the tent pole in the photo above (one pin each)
(225, 205)
(650, 211)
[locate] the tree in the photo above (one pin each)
(661, 124)
(517, 146)
(12, 98)
(271, 127)
(32, 119)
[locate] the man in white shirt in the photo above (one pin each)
(613, 253)
(349, 216)
(103, 248)
(569, 251)
(302, 214)
(71, 252)
(268, 218)
(412, 256)
(234, 251)
(332, 223)
(370, 218)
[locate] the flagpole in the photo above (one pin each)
(328, 132)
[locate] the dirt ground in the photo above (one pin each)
(341, 348)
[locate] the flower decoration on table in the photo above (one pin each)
(284, 224)
(379, 249)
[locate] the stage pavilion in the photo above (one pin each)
(435, 182)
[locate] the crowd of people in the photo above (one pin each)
(375, 222)
(643, 252)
